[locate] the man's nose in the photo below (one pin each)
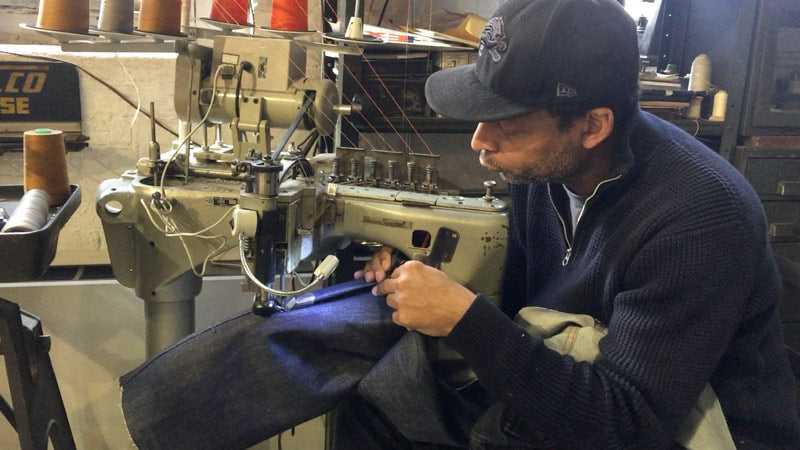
(481, 137)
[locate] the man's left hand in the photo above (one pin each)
(425, 299)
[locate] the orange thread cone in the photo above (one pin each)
(45, 164)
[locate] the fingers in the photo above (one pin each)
(385, 287)
(396, 320)
(382, 263)
(388, 285)
(377, 267)
(385, 257)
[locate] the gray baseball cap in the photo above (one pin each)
(538, 53)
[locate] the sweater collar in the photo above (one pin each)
(625, 163)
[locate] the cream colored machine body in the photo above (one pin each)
(284, 206)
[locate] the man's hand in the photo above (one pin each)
(425, 299)
(377, 268)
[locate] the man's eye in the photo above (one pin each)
(513, 132)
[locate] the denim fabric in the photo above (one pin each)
(499, 427)
(249, 377)
(423, 408)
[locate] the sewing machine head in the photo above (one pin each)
(165, 221)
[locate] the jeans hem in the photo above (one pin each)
(125, 421)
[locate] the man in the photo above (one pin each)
(615, 214)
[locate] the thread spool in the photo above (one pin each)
(186, 14)
(695, 106)
(700, 76)
(720, 105)
(31, 213)
(116, 16)
(45, 164)
(160, 17)
(289, 15)
(355, 28)
(230, 11)
(70, 16)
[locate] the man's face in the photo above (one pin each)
(530, 148)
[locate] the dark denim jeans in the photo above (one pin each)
(249, 378)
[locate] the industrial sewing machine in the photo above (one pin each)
(277, 206)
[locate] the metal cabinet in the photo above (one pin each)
(773, 91)
(775, 175)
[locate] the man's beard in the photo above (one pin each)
(557, 169)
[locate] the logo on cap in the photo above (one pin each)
(562, 90)
(493, 38)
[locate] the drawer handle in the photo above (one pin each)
(789, 188)
(781, 230)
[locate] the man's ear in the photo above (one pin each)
(599, 125)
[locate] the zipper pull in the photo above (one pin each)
(565, 261)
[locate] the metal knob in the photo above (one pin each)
(489, 185)
(390, 169)
(410, 180)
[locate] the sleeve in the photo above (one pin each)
(679, 303)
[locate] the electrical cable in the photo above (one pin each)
(243, 66)
(171, 230)
(99, 80)
(321, 273)
(189, 135)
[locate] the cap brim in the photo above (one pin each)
(456, 93)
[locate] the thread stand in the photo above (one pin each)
(101, 41)
(37, 412)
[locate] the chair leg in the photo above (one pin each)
(38, 408)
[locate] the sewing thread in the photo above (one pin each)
(116, 16)
(695, 107)
(70, 16)
(45, 164)
(230, 11)
(720, 105)
(700, 76)
(160, 17)
(289, 15)
(30, 214)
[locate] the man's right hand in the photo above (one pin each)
(376, 269)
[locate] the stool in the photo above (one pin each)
(38, 412)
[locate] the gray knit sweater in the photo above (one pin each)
(673, 256)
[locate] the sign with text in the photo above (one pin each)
(39, 92)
